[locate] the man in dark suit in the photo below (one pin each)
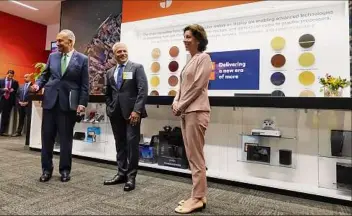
(8, 89)
(65, 82)
(126, 93)
(22, 103)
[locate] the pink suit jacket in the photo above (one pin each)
(192, 94)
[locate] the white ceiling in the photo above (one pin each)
(48, 13)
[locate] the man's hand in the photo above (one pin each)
(6, 89)
(134, 118)
(11, 89)
(34, 88)
(81, 109)
(23, 103)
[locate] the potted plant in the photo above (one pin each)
(39, 68)
(333, 86)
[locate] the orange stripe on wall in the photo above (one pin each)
(134, 10)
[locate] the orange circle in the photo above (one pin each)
(174, 51)
(155, 67)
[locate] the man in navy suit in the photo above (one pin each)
(22, 103)
(8, 89)
(66, 72)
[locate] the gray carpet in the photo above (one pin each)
(156, 194)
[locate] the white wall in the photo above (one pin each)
(51, 32)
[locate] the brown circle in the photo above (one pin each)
(278, 60)
(156, 53)
(155, 67)
(174, 51)
(173, 80)
(154, 93)
(172, 93)
(173, 66)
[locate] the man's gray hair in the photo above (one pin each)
(70, 35)
(114, 48)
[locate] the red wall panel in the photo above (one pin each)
(22, 44)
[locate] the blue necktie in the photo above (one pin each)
(24, 91)
(119, 77)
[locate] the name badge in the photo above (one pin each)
(127, 75)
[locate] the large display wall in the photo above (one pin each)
(261, 47)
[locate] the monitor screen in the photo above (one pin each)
(53, 46)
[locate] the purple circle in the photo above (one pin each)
(277, 78)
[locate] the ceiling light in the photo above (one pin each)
(24, 5)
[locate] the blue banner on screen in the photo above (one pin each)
(235, 70)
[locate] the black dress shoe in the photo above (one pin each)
(46, 176)
(117, 179)
(130, 185)
(65, 177)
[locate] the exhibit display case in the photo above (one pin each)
(287, 147)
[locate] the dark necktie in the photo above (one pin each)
(119, 77)
(24, 91)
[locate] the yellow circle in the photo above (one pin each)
(278, 43)
(306, 59)
(306, 78)
(172, 93)
(307, 93)
(155, 81)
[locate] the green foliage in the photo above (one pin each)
(39, 68)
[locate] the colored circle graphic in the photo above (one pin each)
(277, 78)
(174, 51)
(155, 81)
(154, 93)
(278, 60)
(306, 41)
(156, 53)
(173, 81)
(173, 66)
(307, 93)
(306, 59)
(172, 93)
(155, 67)
(306, 78)
(278, 43)
(277, 93)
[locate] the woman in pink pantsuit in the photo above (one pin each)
(192, 104)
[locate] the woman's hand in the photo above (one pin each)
(175, 110)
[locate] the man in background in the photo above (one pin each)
(65, 80)
(126, 93)
(22, 103)
(8, 90)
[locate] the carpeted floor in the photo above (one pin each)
(156, 194)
